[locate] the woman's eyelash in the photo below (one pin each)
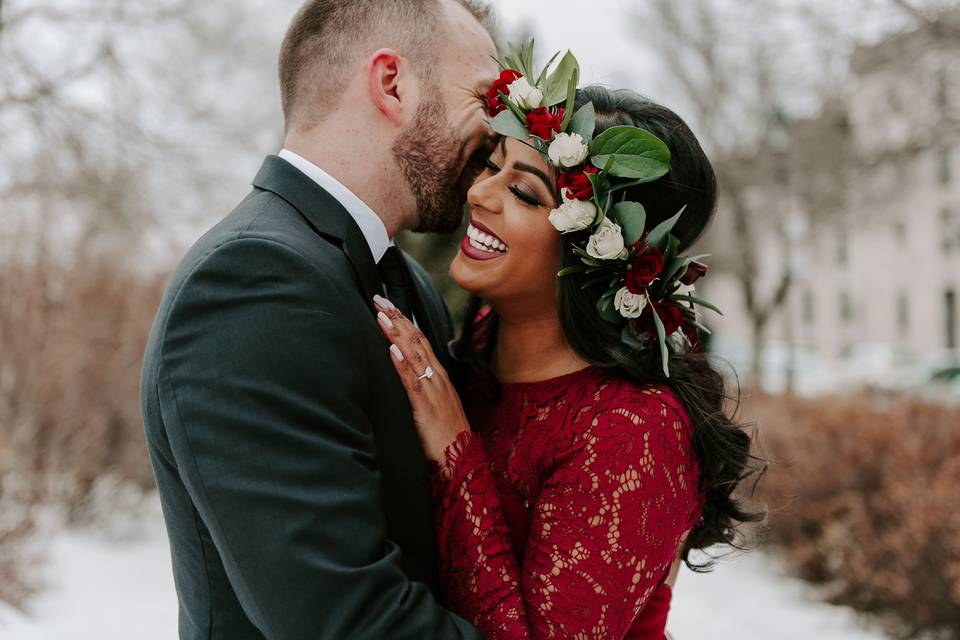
(525, 197)
(516, 191)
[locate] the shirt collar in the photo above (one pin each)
(372, 227)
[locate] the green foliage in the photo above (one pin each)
(636, 154)
(661, 340)
(606, 309)
(659, 233)
(632, 218)
(506, 123)
(584, 122)
(556, 87)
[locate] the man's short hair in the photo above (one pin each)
(327, 39)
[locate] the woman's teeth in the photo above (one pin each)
(484, 241)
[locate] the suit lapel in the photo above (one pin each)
(325, 214)
(430, 312)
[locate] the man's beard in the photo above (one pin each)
(429, 157)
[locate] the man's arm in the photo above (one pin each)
(262, 386)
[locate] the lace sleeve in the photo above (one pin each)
(479, 572)
(606, 526)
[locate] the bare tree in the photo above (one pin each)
(736, 79)
(131, 126)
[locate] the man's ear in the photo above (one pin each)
(388, 81)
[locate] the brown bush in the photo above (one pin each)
(864, 499)
(72, 340)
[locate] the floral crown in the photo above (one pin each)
(649, 286)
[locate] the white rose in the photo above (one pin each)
(525, 95)
(630, 305)
(567, 150)
(607, 242)
(684, 290)
(677, 341)
(573, 215)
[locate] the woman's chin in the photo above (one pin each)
(465, 273)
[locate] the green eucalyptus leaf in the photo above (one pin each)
(675, 267)
(593, 262)
(577, 268)
(606, 309)
(662, 339)
(631, 216)
(597, 184)
(698, 301)
(659, 233)
(701, 326)
(636, 154)
(584, 122)
(506, 123)
(556, 85)
(673, 246)
(571, 100)
(543, 74)
(514, 107)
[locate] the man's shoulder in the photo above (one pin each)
(263, 241)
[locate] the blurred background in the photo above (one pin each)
(127, 127)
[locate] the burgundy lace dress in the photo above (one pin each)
(560, 514)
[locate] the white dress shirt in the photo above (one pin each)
(369, 222)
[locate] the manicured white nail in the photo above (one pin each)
(384, 320)
(395, 352)
(383, 302)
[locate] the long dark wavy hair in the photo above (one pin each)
(722, 446)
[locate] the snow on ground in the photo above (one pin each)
(119, 586)
(749, 596)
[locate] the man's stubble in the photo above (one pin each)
(429, 154)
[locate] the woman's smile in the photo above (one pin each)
(481, 243)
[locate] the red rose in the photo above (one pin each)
(645, 268)
(494, 104)
(670, 315)
(577, 183)
(694, 272)
(542, 122)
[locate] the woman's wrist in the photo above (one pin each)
(445, 459)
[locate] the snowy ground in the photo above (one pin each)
(118, 586)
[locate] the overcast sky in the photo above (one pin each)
(606, 42)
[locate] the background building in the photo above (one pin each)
(875, 271)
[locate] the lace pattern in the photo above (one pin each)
(560, 515)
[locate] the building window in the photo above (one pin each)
(903, 313)
(950, 317)
(845, 307)
(947, 240)
(942, 84)
(900, 231)
(807, 307)
(843, 248)
(946, 170)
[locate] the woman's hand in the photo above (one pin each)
(437, 410)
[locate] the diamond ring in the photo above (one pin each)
(426, 374)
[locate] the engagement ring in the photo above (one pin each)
(426, 374)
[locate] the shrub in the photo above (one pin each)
(864, 499)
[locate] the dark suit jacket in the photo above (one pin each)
(294, 488)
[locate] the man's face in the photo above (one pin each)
(443, 150)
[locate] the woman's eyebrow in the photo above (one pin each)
(522, 166)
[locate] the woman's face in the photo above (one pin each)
(511, 251)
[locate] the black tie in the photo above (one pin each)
(396, 277)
